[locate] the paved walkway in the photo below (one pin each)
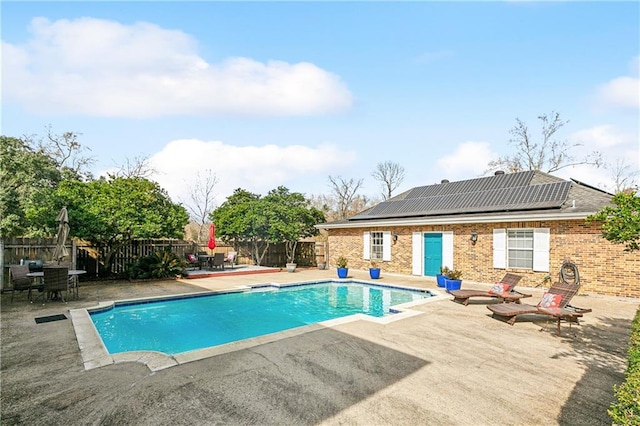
(451, 365)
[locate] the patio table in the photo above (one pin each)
(73, 273)
(207, 258)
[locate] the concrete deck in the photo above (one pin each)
(449, 365)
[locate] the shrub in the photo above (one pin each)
(454, 274)
(342, 262)
(626, 409)
(444, 270)
(161, 264)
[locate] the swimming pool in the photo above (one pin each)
(179, 325)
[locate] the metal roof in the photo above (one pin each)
(500, 193)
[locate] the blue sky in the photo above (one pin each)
(287, 93)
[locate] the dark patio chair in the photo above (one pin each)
(56, 280)
(218, 261)
(193, 261)
(19, 280)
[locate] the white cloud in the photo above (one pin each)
(257, 169)
(104, 68)
(469, 158)
(598, 137)
(621, 92)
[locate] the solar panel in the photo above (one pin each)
(497, 198)
(513, 180)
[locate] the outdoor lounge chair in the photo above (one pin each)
(231, 258)
(504, 290)
(554, 305)
(19, 280)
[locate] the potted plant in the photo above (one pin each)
(291, 266)
(453, 280)
(341, 263)
(444, 270)
(374, 270)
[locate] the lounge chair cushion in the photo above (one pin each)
(499, 288)
(192, 258)
(550, 300)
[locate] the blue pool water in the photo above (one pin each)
(179, 325)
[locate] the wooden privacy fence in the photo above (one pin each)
(85, 256)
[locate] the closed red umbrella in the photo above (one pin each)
(212, 236)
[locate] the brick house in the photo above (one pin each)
(526, 223)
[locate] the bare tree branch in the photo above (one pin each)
(136, 167)
(345, 192)
(548, 155)
(201, 200)
(390, 175)
(65, 150)
(623, 175)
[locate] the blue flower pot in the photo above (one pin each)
(374, 273)
(342, 272)
(440, 280)
(452, 284)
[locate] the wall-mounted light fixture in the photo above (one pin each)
(474, 237)
(395, 237)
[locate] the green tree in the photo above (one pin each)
(621, 223)
(290, 218)
(112, 212)
(241, 219)
(27, 178)
(279, 217)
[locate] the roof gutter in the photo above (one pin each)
(453, 220)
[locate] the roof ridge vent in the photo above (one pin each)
(499, 172)
(444, 181)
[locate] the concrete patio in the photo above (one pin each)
(451, 365)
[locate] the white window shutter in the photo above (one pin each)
(447, 249)
(500, 248)
(541, 249)
(386, 246)
(416, 259)
(366, 247)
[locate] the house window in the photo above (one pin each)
(520, 248)
(377, 245)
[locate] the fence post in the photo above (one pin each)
(2, 264)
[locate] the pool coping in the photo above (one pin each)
(95, 355)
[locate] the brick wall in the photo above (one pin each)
(604, 268)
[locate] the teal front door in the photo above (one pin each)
(432, 254)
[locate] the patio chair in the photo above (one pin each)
(503, 290)
(554, 305)
(56, 280)
(231, 258)
(19, 280)
(193, 261)
(72, 280)
(218, 261)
